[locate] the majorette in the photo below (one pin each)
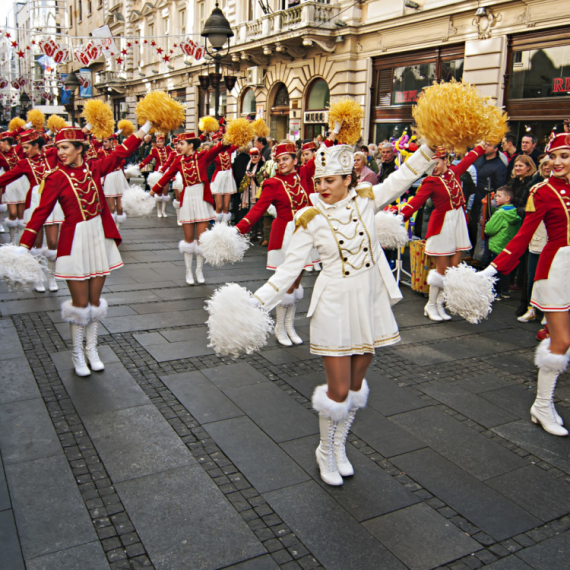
(223, 184)
(114, 183)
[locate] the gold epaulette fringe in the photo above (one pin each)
(530, 207)
(305, 218)
(365, 191)
(41, 188)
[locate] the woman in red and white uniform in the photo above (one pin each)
(223, 183)
(87, 249)
(196, 201)
(447, 235)
(35, 168)
(548, 202)
(14, 195)
(114, 183)
(160, 153)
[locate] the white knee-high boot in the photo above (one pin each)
(78, 318)
(120, 219)
(3, 208)
(290, 317)
(38, 252)
(158, 199)
(51, 256)
(550, 366)
(331, 414)
(187, 249)
(91, 332)
(199, 265)
(435, 282)
(176, 206)
(12, 227)
(280, 315)
(21, 228)
(358, 400)
(219, 217)
(165, 200)
(227, 218)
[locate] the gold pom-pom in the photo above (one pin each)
(127, 128)
(239, 132)
(16, 123)
(56, 123)
(259, 128)
(208, 124)
(100, 116)
(37, 118)
(161, 110)
(454, 115)
(350, 114)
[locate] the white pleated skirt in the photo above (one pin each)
(115, 184)
(92, 254)
(276, 257)
(15, 192)
(453, 237)
(353, 316)
(194, 208)
(224, 183)
(56, 216)
(552, 295)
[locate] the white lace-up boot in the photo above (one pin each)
(91, 332)
(435, 282)
(227, 218)
(331, 414)
(199, 265)
(120, 219)
(176, 206)
(51, 256)
(280, 314)
(165, 200)
(12, 227)
(441, 306)
(187, 249)
(219, 217)
(38, 252)
(290, 317)
(158, 199)
(78, 318)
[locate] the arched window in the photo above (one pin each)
(319, 96)
(317, 102)
(248, 102)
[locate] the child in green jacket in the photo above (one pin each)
(501, 228)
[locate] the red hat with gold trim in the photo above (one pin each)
(29, 136)
(254, 151)
(186, 136)
(6, 135)
(440, 153)
(309, 146)
(159, 138)
(559, 141)
(285, 148)
(217, 136)
(71, 134)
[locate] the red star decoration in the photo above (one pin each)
(14, 44)
(146, 41)
(120, 60)
(33, 42)
(112, 53)
(166, 58)
(28, 47)
(137, 42)
(152, 43)
(129, 44)
(171, 51)
(175, 45)
(8, 35)
(21, 53)
(124, 52)
(159, 50)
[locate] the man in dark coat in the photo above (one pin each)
(388, 164)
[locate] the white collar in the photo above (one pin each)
(341, 204)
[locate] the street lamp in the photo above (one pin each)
(72, 83)
(217, 31)
(24, 102)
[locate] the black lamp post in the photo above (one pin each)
(72, 83)
(217, 31)
(24, 102)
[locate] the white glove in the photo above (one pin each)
(146, 127)
(489, 271)
(272, 211)
(88, 126)
(337, 126)
(119, 132)
(29, 125)
(21, 250)
(254, 302)
(48, 133)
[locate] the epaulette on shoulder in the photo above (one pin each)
(304, 216)
(364, 190)
(43, 182)
(530, 207)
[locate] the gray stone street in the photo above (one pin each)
(173, 458)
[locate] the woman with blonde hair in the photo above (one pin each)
(363, 173)
(524, 170)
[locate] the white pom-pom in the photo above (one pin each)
(137, 202)
(390, 230)
(153, 178)
(178, 184)
(133, 171)
(223, 244)
(467, 293)
(236, 327)
(19, 270)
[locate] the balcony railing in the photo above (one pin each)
(109, 78)
(311, 13)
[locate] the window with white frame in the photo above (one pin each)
(201, 6)
(182, 21)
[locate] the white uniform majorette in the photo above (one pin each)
(196, 201)
(447, 235)
(162, 155)
(223, 183)
(548, 202)
(350, 307)
(87, 247)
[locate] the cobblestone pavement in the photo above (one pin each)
(173, 458)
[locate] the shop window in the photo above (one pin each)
(408, 82)
(282, 97)
(389, 131)
(319, 96)
(248, 103)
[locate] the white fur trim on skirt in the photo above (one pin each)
(92, 254)
(115, 184)
(276, 257)
(353, 316)
(194, 208)
(15, 192)
(453, 237)
(56, 216)
(224, 183)
(552, 295)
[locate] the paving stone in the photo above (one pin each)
(275, 412)
(26, 432)
(328, 531)
(388, 398)
(370, 493)
(516, 337)
(131, 297)
(11, 347)
(9, 543)
(468, 404)
(383, 434)
(552, 553)
(86, 557)
(4, 495)
(535, 440)
(477, 502)
(514, 363)
(47, 303)
(412, 335)
(179, 335)
(436, 541)
(234, 375)
(63, 361)
(49, 511)
(483, 383)
(541, 494)
(189, 523)
(201, 397)
(156, 321)
(279, 356)
(149, 339)
(510, 563)
(459, 443)
(112, 389)
(65, 331)
(135, 442)
(16, 380)
(305, 384)
(516, 399)
(261, 563)
(197, 346)
(422, 355)
(263, 462)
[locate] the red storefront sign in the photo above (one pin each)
(406, 96)
(561, 85)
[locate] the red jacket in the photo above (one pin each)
(81, 196)
(171, 158)
(223, 161)
(445, 191)
(160, 156)
(548, 201)
(9, 159)
(193, 169)
(102, 153)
